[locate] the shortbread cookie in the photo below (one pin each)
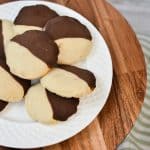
(8, 30)
(73, 39)
(12, 88)
(46, 107)
(69, 81)
(31, 54)
(37, 15)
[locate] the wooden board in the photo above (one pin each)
(129, 81)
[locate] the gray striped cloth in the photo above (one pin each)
(139, 137)
(137, 13)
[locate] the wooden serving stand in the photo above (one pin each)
(129, 82)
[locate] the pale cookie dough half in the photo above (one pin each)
(46, 107)
(12, 89)
(31, 54)
(20, 29)
(73, 39)
(69, 81)
(2, 53)
(6, 33)
(72, 50)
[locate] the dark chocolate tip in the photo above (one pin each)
(40, 45)
(85, 75)
(2, 53)
(25, 83)
(2, 105)
(36, 15)
(63, 27)
(62, 107)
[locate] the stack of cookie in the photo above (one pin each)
(42, 45)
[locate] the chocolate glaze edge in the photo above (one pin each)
(85, 75)
(62, 107)
(40, 45)
(67, 27)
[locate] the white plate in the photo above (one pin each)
(19, 131)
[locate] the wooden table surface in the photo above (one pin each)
(129, 81)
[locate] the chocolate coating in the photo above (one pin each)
(2, 53)
(2, 105)
(25, 83)
(85, 75)
(62, 107)
(36, 15)
(40, 45)
(65, 27)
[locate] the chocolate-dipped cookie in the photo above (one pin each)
(6, 33)
(31, 54)
(46, 107)
(73, 39)
(8, 30)
(36, 15)
(69, 81)
(12, 88)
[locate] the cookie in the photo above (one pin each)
(69, 81)
(6, 33)
(8, 30)
(37, 15)
(12, 88)
(31, 54)
(3, 105)
(73, 39)
(46, 107)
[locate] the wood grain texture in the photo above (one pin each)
(129, 81)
